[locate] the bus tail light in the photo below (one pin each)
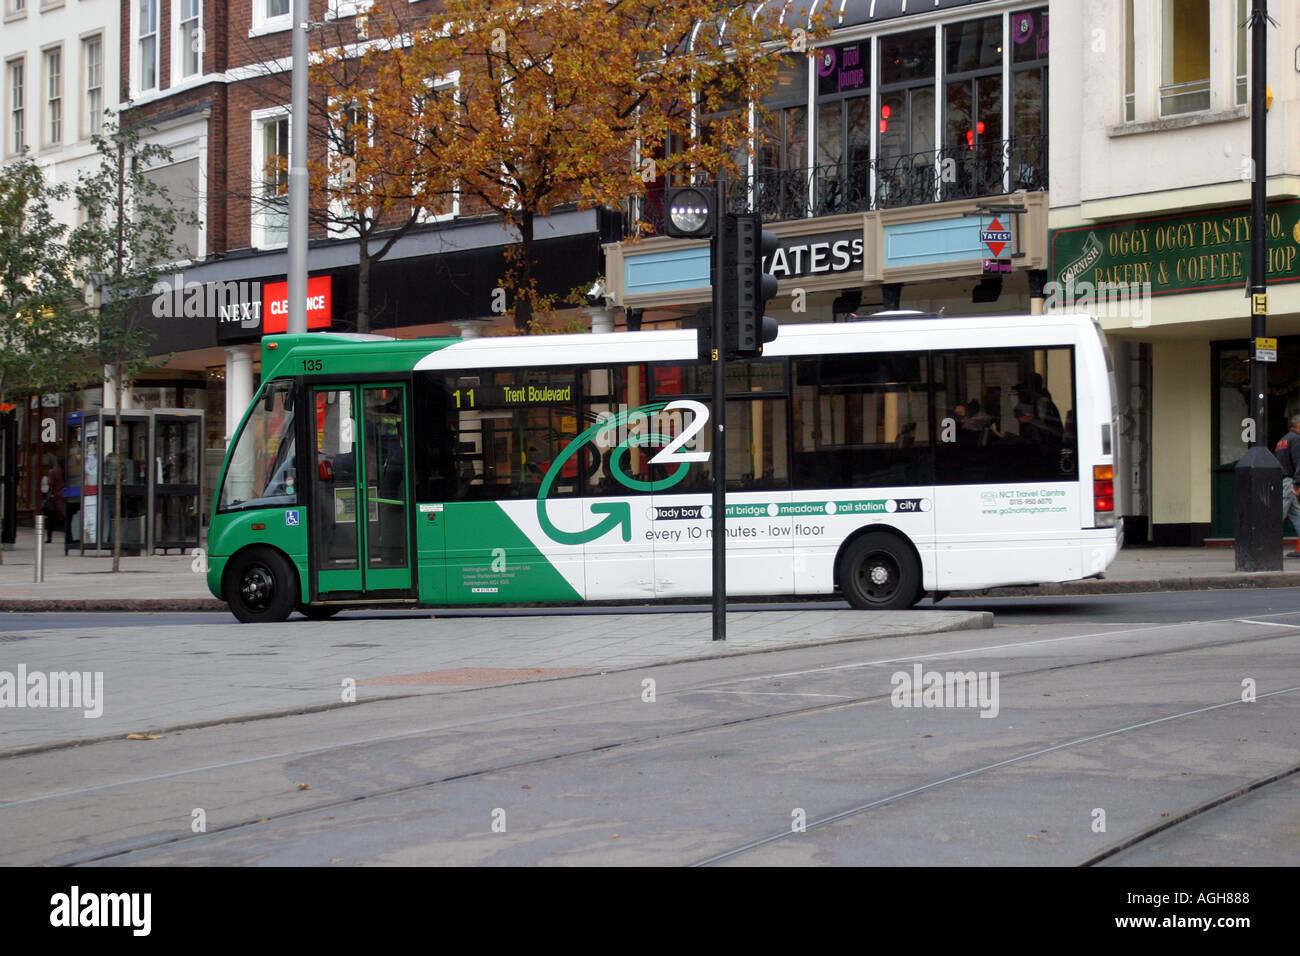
(1103, 495)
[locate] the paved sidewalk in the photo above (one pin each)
(170, 583)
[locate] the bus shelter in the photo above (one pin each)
(160, 472)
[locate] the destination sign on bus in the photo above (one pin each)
(489, 395)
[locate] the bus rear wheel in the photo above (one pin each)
(878, 572)
(261, 586)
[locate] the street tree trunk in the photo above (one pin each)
(363, 284)
(523, 272)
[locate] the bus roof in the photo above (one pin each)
(385, 354)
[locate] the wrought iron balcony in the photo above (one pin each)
(887, 182)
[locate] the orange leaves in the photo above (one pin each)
(518, 107)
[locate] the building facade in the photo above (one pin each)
(213, 81)
(58, 78)
(885, 157)
(1150, 201)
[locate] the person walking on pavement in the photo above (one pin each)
(52, 499)
(1288, 456)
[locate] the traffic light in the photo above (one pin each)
(690, 212)
(747, 327)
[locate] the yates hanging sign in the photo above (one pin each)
(1182, 253)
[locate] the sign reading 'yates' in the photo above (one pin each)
(996, 237)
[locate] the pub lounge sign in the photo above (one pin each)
(1182, 253)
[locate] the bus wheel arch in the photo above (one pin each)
(260, 584)
(879, 569)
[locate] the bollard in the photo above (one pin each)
(40, 548)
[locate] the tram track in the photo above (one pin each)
(122, 852)
(1133, 841)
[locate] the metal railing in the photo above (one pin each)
(887, 182)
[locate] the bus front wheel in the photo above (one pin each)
(261, 586)
(878, 572)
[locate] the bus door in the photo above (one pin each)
(360, 499)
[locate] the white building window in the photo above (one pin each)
(436, 208)
(1130, 65)
(17, 113)
(189, 38)
(53, 97)
(349, 125)
(1185, 57)
(270, 178)
(15, 7)
(270, 15)
(1243, 52)
(147, 45)
(92, 60)
(179, 183)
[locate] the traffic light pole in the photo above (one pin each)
(1258, 476)
(719, 357)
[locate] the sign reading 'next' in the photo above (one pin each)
(250, 310)
(1192, 252)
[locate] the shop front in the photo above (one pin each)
(1170, 291)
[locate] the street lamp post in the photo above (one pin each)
(297, 319)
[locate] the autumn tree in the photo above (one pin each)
(40, 301)
(359, 136)
(523, 107)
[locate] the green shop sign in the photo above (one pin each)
(1184, 253)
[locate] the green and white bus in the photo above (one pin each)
(880, 459)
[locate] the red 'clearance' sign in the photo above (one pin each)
(275, 305)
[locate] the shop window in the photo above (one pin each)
(843, 174)
(974, 159)
(780, 181)
(905, 172)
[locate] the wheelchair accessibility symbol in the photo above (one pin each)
(291, 518)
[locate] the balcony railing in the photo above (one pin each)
(887, 182)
